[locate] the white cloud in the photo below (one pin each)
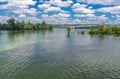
(98, 19)
(22, 15)
(112, 10)
(30, 11)
(81, 8)
(60, 18)
(77, 5)
(103, 17)
(22, 2)
(76, 21)
(19, 6)
(100, 1)
(85, 15)
(113, 16)
(3, 0)
(118, 16)
(91, 18)
(63, 15)
(13, 4)
(44, 16)
(3, 19)
(44, 6)
(60, 3)
(53, 9)
(21, 18)
(104, 2)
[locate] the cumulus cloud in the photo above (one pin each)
(22, 15)
(103, 17)
(19, 6)
(30, 11)
(85, 15)
(60, 3)
(63, 15)
(104, 2)
(60, 18)
(76, 21)
(81, 8)
(54, 9)
(44, 6)
(77, 5)
(112, 10)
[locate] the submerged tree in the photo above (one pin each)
(68, 28)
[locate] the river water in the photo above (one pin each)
(57, 55)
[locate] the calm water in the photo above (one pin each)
(55, 55)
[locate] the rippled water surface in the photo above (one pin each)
(56, 55)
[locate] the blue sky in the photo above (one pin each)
(61, 11)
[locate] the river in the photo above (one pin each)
(56, 55)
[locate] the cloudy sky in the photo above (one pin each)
(61, 11)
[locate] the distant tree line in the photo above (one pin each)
(104, 29)
(12, 24)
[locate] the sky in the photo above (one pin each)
(61, 11)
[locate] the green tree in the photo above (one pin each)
(0, 26)
(43, 23)
(20, 25)
(44, 26)
(93, 31)
(68, 28)
(11, 23)
(101, 28)
(38, 26)
(102, 25)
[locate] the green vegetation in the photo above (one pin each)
(82, 32)
(12, 24)
(68, 28)
(104, 29)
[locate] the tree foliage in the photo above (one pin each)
(103, 29)
(12, 24)
(68, 28)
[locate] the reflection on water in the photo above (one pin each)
(100, 37)
(51, 55)
(68, 35)
(12, 39)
